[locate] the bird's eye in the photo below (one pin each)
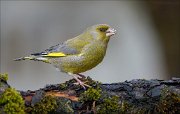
(102, 29)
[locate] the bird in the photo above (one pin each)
(78, 54)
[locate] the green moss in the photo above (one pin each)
(64, 106)
(124, 107)
(63, 86)
(91, 82)
(109, 106)
(91, 95)
(140, 110)
(4, 77)
(169, 102)
(46, 105)
(11, 102)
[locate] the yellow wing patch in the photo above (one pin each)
(55, 54)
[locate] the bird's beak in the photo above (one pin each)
(110, 32)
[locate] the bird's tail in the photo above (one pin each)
(35, 58)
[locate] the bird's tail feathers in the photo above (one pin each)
(35, 58)
(23, 58)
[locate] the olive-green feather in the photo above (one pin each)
(91, 48)
(78, 54)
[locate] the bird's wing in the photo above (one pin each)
(59, 50)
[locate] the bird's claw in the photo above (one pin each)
(82, 84)
(79, 82)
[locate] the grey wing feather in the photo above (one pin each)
(58, 48)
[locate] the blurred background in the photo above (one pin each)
(146, 46)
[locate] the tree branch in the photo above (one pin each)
(135, 96)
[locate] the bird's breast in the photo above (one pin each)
(89, 58)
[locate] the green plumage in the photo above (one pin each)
(90, 56)
(79, 54)
(91, 48)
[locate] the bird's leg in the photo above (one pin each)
(81, 75)
(80, 82)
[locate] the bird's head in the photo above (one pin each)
(101, 31)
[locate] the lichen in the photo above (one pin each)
(11, 102)
(109, 106)
(46, 105)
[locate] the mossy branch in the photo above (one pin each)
(137, 96)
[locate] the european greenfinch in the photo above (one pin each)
(78, 54)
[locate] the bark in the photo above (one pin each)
(135, 96)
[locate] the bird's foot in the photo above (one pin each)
(79, 82)
(82, 84)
